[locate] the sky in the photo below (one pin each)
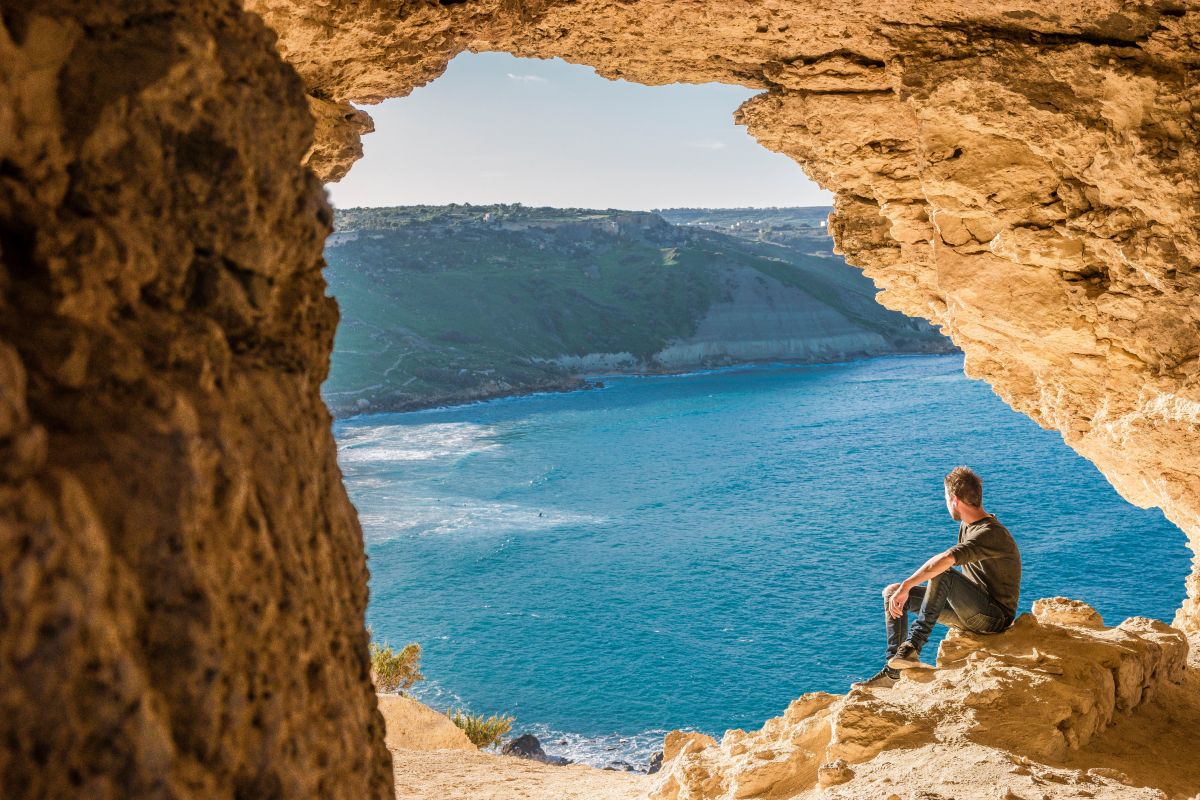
(499, 129)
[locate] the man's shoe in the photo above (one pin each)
(907, 657)
(884, 679)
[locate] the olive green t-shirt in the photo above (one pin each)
(989, 557)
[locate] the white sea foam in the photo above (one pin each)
(433, 694)
(622, 751)
(453, 515)
(439, 440)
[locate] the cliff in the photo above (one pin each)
(412, 725)
(1010, 715)
(457, 303)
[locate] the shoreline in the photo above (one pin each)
(594, 381)
(623, 751)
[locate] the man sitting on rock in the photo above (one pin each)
(981, 598)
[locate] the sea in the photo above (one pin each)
(695, 551)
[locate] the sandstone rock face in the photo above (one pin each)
(412, 725)
(182, 580)
(1038, 691)
(1022, 173)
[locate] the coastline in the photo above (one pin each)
(593, 381)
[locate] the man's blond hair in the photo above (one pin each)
(963, 483)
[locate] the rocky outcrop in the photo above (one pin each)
(183, 581)
(412, 725)
(527, 746)
(182, 578)
(1023, 174)
(1030, 695)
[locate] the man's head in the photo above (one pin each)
(963, 489)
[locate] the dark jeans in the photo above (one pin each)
(951, 599)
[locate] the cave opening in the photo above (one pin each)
(182, 605)
(471, 624)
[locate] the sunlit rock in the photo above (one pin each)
(1038, 691)
(412, 725)
(182, 580)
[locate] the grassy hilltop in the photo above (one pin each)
(445, 304)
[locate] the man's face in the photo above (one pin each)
(952, 505)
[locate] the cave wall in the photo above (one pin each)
(182, 578)
(1023, 173)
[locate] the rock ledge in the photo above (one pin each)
(1038, 691)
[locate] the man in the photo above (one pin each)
(981, 598)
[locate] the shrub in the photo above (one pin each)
(482, 732)
(395, 671)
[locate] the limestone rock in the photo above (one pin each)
(1043, 688)
(182, 577)
(412, 725)
(834, 773)
(1063, 611)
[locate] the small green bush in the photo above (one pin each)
(395, 672)
(482, 732)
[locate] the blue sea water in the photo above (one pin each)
(696, 551)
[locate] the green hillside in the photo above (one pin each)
(452, 303)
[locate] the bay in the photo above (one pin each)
(696, 551)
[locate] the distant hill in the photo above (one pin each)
(447, 304)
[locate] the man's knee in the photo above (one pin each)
(889, 590)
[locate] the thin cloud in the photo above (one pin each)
(530, 78)
(706, 144)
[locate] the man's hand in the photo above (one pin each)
(898, 602)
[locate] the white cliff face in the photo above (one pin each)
(760, 319)
(757, 319)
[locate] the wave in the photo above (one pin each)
(448, 515)
(391, 443)
(620, 751)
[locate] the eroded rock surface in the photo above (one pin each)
(1023, 173)
(412, 725)
(1020, 702)
(182, 579)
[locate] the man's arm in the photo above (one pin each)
(934, 566)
